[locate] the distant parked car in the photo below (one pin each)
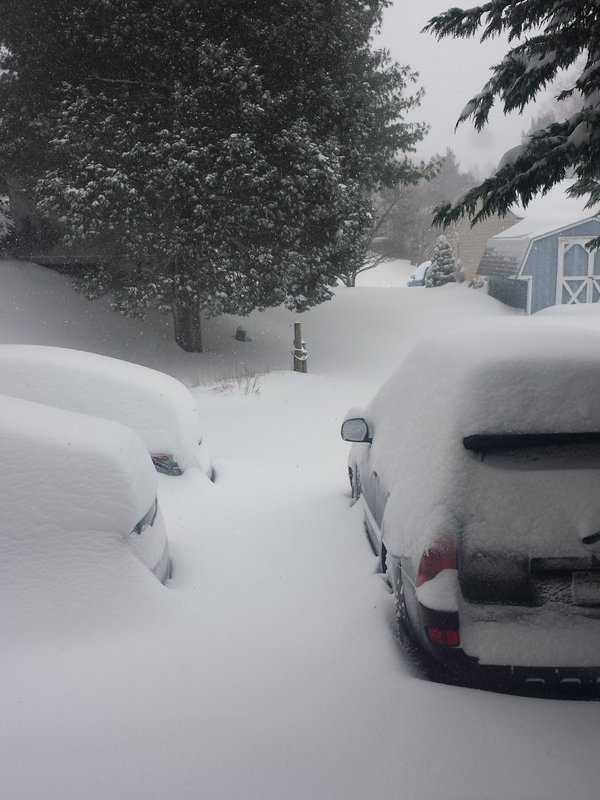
(159, 408)
(419, 275)
(78, 493)
(478, 468)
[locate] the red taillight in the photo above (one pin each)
(440, 555)
(448, 637)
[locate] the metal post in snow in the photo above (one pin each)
(300, 352)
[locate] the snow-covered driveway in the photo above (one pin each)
(268, 669)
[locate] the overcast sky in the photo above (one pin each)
(451, 71)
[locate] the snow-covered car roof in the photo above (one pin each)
(158, 407)
(510, 375)
(69, 472)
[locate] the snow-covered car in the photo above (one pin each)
(479, 478)
(78, 492)
(417, 278)
(159, 408)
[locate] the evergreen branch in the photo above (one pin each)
(129, 82)
(544, 161)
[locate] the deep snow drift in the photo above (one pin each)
(270, 670)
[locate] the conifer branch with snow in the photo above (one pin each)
(547, 37)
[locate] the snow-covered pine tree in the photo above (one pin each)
(550, 36)
(213, 157)
(443, 266)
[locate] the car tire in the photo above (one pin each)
(404, 623)
(354, 478)
(405, 629)
(428, 667)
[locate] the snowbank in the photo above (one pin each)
(389, 274)
(361, 333)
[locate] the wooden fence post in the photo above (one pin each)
(300, 353)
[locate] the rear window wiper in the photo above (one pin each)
(494, 442)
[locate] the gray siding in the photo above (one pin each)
(511, 291)
(542, 263)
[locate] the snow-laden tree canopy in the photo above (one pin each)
(546, 37)
(216, 157)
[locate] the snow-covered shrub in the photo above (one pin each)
(443, 266)
(477, 283)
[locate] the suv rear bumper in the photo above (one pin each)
(571, 679)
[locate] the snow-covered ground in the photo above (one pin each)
(389, 274)
(268, 668)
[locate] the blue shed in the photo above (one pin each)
(543, 260)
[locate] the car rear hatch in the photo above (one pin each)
(529, 555)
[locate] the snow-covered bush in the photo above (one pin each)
(443, 266)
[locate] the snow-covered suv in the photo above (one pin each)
(478, 468)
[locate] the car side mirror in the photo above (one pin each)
(356, 430)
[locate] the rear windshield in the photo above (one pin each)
(495, 442)
(538, 451)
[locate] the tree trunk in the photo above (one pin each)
(188, 327)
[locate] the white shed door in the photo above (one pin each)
(578, 279)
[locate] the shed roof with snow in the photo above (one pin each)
(542, 260)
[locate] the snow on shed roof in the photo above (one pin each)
(551, 212)
(554, 211)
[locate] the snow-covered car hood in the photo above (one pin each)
(73, 488)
